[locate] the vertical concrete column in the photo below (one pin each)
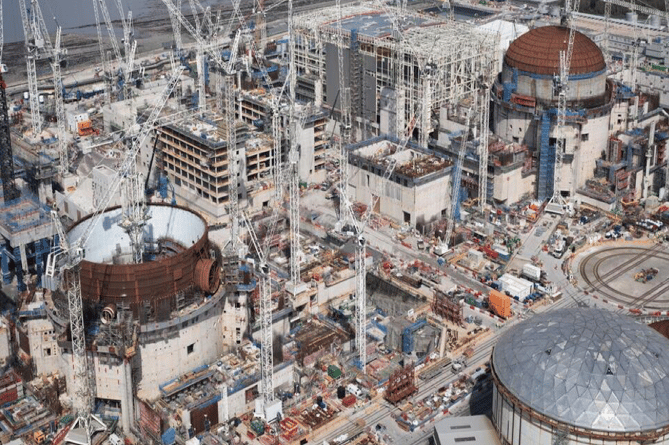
(21, 285)
(127, 405)
(4, 263)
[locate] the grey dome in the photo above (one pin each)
(589, 368)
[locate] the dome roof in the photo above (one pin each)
(589, 368)
(538, 52)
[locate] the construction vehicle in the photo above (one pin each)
(645, 275)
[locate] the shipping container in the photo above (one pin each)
(532, 272)
(500, 304)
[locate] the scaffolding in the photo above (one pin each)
(458, 53)
(546, 160)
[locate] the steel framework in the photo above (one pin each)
(293, 159)
(233, 193)
(345, 116)
(35, 41)
(458, 51)
(557, 202)
(9, 190)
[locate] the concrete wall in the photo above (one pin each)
(237, 404)
(422, 203)
(5, 347)
(235, 323)
(193, 344)
(44, 349)
(510, 186)
(591, 139)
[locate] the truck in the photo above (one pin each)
(500, 304)
(532, 272)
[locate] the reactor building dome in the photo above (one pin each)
(581, 376)
(525, 97)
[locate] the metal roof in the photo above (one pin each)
(538, 52)
(589, 368)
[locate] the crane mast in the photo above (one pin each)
(233, 193)
(345, 111)
(557, 203)
(106, 72)
(176, 28)
(293, 157)
(60, 105)
(32, 41)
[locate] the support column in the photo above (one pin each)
(4, 262)
(127, 406)
(41, 248)
(20, 284)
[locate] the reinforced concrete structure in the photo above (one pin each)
(193, 156)
(376, 57)
(416, 192)
(525, 106)
(155, 320)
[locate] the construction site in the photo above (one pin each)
(312, 224)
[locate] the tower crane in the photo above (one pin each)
(485, 84)
(268, 409)
(106, 72)
(66, 261)
(229, 110)
(293, 158)
(60, 105)
(557, 203)
(345, 124)
(443, 247)
(34, 41)
(176, 28)
(37, 34)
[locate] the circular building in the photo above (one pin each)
(584, 375)
(177, 260)
(526, 101)
(148, 322)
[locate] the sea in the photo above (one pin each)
(78, 16)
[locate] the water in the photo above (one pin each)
(72, 15)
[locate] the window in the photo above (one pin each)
(516, 139)
(407, 217)
(465, 439)
(585, 137)
(190, 348)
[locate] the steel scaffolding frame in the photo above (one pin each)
(459, 53)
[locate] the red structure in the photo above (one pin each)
(401, 385)
(448, 307)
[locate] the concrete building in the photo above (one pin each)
(5, 342)
(416, 192)
(194, 157)
(312, 136)
(581, 376)
(525, 106)
(472, 430)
